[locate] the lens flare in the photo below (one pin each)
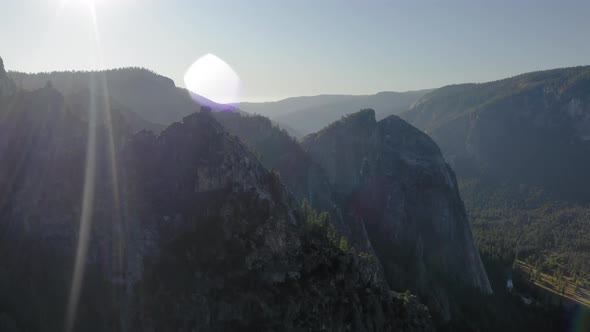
(211, 79)
(85, 218)
(97, 90)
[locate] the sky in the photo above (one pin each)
(281, 49)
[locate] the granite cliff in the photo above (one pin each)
(396, 184)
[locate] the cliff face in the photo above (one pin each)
(187, 231)
(399, 187)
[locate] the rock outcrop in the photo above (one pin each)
(397, 185)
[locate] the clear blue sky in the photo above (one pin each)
(289, 48)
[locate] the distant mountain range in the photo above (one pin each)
(305, 115)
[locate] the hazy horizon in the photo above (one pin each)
(365, 48)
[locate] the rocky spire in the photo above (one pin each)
(395, 183)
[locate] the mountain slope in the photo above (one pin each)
(310, 114)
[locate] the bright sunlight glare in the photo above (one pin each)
(212, 78)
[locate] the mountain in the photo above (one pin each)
(395, 182)
(521, 150)
(184, 230)
(152, 97)
(305, 115)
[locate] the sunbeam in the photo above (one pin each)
(85, 218)
(97, 90)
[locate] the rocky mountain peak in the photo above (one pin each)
(395, 182)
(366, 115)
(363, 120)
(203, 121)
(362, 123)
(405, 138)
